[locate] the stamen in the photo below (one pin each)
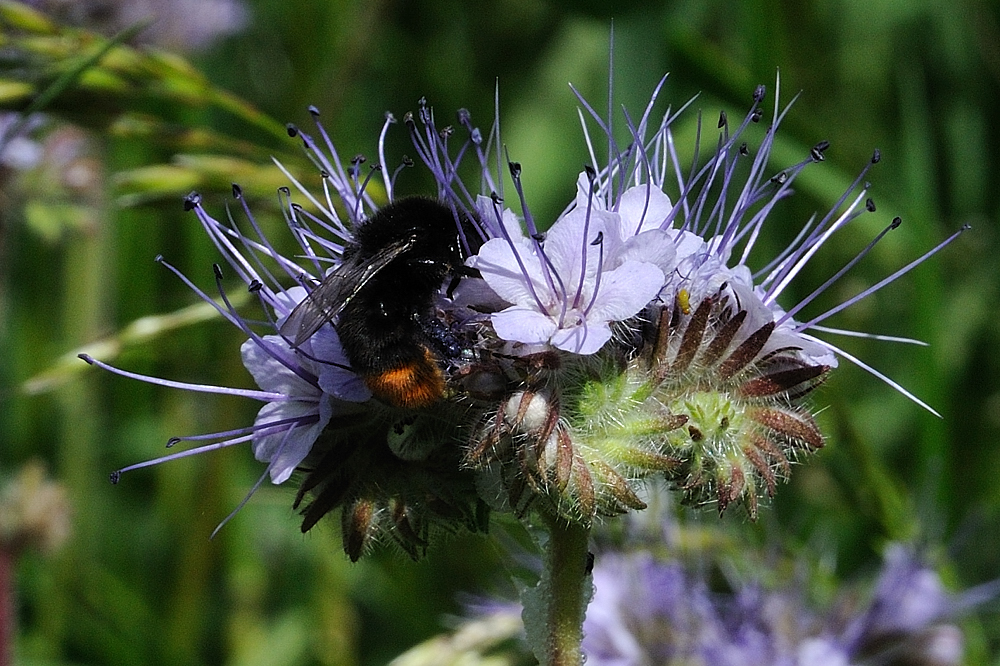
(888, 280)
(836, 276)
(591, 176)
(869, 336)
(362, 188)
(869, 369)
(278, 355)
(386, 179)
(264, 396)
(498, 213)
(515, 175)
(599, 242)
(243, 501)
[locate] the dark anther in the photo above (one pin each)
(255, 286)
(158, 258)
(591, 173)
(599, 240)
(292, 130)
(497, 199)
(722, 119)
(724, 423)
(696, 435)
(87, 359)
(744, 151)
(817, 151)
(115, 478)
(217, 269)
(358, 159)
(313, 111)
(296, 207)
(463, 116)
(324, 174)
(756, 115)
(172, 441)
(407, 161)
(538, 238)
(876, 156)
(237, 191)
(284, 190)
(759, 92)
(191, 201)
(896, 221)
(870, 205)
(447, 131)
(408, 118)
(779, 178)
(515, 169)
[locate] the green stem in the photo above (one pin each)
(568, 583)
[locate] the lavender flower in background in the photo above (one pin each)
(651, 611)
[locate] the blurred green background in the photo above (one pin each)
(140, 582)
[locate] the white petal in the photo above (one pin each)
(643, 208)
(625, 290)
(287, 300)
(586, 338)
(498, 264)
(272, 375)
(508, 219)
(565, 244)
(518, 324)
(653, 247)
(334, 376)
(285, 450)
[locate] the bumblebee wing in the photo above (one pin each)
(338, 288)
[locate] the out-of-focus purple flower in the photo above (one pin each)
(647, 611)
(186, 25)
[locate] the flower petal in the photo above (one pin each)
(284, 450)
(270, 373)
(519, 324)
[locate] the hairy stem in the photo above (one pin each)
(569, 590)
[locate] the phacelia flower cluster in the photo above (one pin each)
(647, 610)
(441, 357)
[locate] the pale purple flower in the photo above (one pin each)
(648, 611)
(588, 271)
(302, 387)
(642, 232)
(645, 209)
(715, 216)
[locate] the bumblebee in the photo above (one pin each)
(381, 298)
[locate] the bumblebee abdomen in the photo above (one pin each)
(415, 384)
